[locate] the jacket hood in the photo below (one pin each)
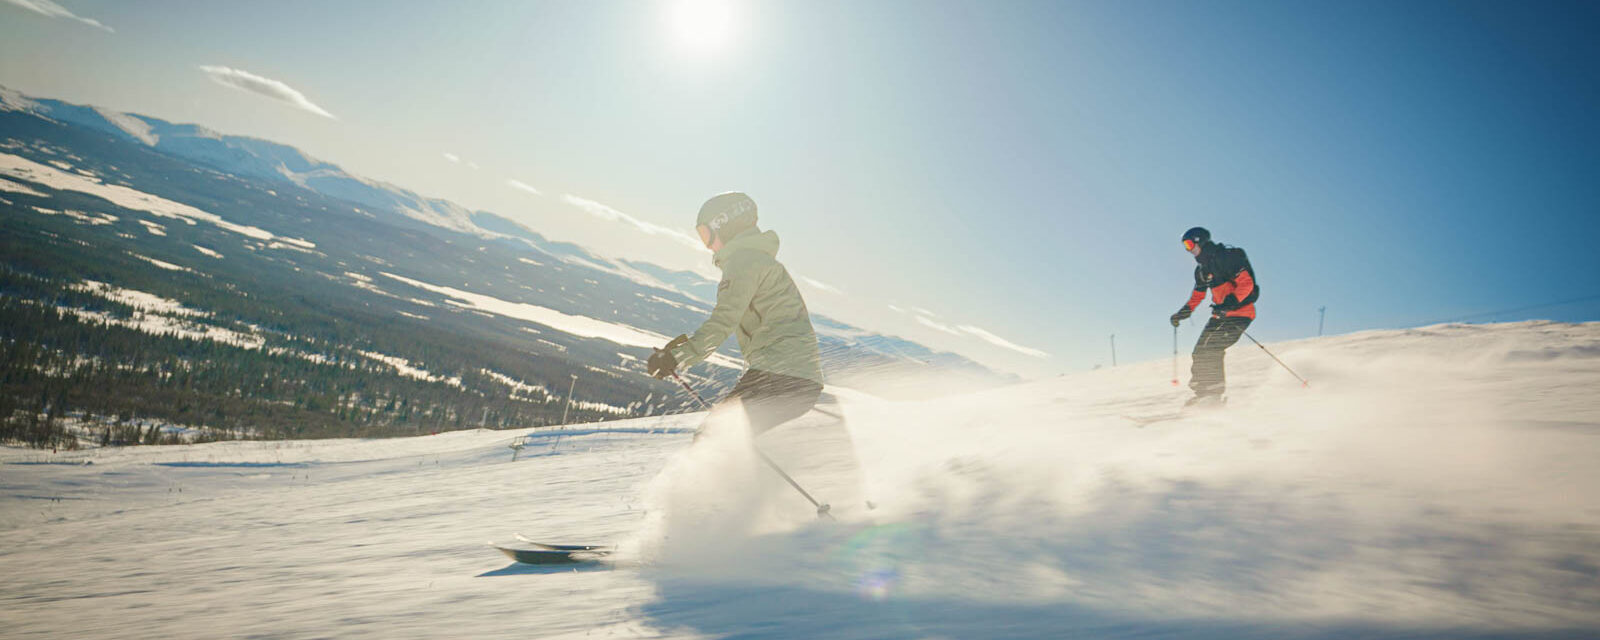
(765, 241)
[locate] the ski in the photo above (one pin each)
(544, 555)
(1144, 421)
(1186, 411)
(595, 548)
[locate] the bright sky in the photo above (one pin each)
(1006, 180)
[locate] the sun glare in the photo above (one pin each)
(701, 26)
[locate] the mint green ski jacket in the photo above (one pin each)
(758, 302)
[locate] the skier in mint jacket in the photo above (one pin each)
(757, 302)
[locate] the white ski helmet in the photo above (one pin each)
(727, 214)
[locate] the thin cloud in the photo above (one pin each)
(604, 212)
(1002, 342)
(925, 318)
(914, 311)
(523, 186)
(455, 159)
(246, 81)
(821, 286)
(933, 324)
(928, 319)
(52, 10)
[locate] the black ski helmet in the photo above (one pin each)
(1198, 234)
(727, 214)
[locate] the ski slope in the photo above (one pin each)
(1434, 482)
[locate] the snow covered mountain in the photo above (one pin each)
(255, 246)
(247, 158)
(253, 158)
(1435, 482)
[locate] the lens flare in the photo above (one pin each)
(877, 552)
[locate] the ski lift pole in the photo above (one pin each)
(1303, 381)
(822, 509)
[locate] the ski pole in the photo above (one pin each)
(1303, 381)
(703, 404)
(1174, 355)
(822, 509)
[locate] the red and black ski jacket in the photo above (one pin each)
(1226, 271)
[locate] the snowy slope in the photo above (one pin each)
(1435, 482)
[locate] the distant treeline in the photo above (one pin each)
(113, 380)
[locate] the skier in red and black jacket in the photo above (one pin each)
(1227, 273)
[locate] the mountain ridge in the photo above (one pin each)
(276, 163)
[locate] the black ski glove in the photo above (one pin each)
(1228, 304)
(1182, 314)
(662, 363)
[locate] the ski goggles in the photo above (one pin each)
(1189, 245)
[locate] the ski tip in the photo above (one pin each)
(552, 556)
(597, 548)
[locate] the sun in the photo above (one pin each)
(701, 26)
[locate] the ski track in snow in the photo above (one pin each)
(1433, 482)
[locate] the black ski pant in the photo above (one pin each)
(1206, 376)
(771, 399)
